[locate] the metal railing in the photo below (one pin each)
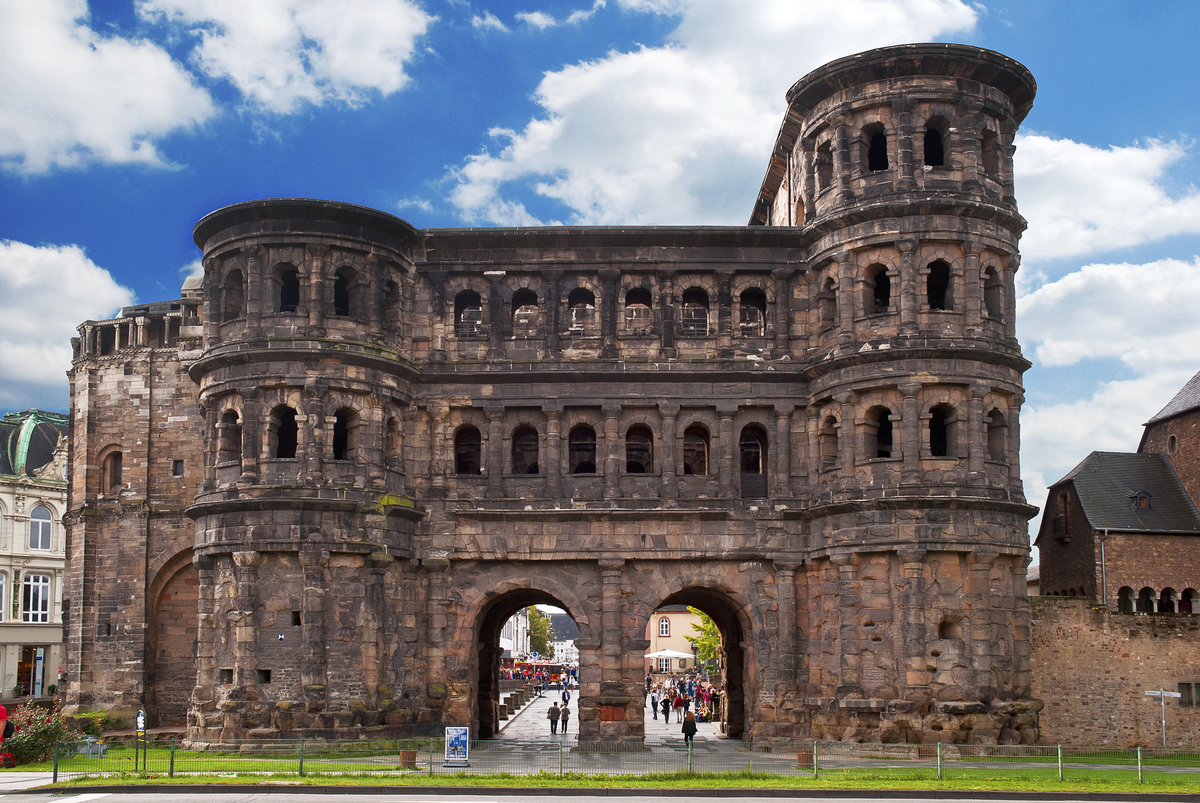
(566, 756)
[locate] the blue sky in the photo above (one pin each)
(123, 122)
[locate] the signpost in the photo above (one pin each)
(141, 741)
(1162, 695)
(456, 747)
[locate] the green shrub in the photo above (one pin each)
(37, 731)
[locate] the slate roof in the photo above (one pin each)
(1106, 483)
(1188, 398)
(28, 439)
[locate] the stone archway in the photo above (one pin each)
(171, 641)
(724, 613)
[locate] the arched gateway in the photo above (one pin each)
(403, 436)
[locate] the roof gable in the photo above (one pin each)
(1108, 484)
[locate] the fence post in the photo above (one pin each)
(1140, 778)
(560, 759)
(939, 756)
(301, 756)
(1060, 766)
(171, 771)
(691, 766)
(55, 779)
(430, 756)
(816, 759)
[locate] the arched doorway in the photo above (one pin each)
(729, 676)
(171, 641)
(486, 719)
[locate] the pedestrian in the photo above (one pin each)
(566, 696)
(553, 714)
(679, 707)
(565, 717)
(666, 709)
(648, 681)
(689, 727)
(654, 701)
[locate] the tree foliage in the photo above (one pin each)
(708, 642)
(541, 635)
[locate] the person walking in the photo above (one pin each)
(553, 714)
(564, 716)
(566, 696)
(689, 727)
(679, 707)
(666, 708)
(654, 701)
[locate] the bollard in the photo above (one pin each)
(55, 778)
(171, 771)
(301, 756)
(691, 767)
(1060, 767)
(431, 757)
(816, 759)
(560, 759)
(1140, 778)
(939, 754)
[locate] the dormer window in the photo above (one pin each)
(1141, 500)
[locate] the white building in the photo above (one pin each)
(514, 636)
(33, 498)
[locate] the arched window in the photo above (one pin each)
(39, 528)
(878, 290)
(525, 450)
(937, 286)
(289, 289)
(525, 313)
(345, 422)
(468, 314)
(694, 321)
(997, 436)
(111, 479)
(639, 450)
(993, 294)
(824, 166)
(664, 626)
(344, 292)
(284, 433)
(1125, 600)
(752, 449)
(879, 432)
(233, 296)
(639, 318)
(1145, 600)
(1166, 601)
(935, 150)
(942, 419)
(877, 148)
(752, 312)
(581, 309)
(35, 598)
(581, 445)
(468, 452)
(1187, 602)
(827, 443)
(827, 303)
(229, 437)
(989, 145)
(695, 450)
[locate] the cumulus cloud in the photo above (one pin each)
(1080, 199)
(282, 54)
(45, 292)
(542, 20)
(678, 133)
(69, 95)
(488, 20)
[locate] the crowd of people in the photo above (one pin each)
(686, 695)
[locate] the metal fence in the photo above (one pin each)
(408, 757)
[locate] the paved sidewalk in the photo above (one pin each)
(530, 724)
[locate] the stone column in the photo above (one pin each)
(612, 450)
(212, 307)
(1016, 487)
(553, 307)
(783, 450)
(212, 418)
(252, 428)
(845, 299)
(842, 164)
(554, 462)
(204, 707)
(913, 625)
(1010, 300)
(788, 648)
(968, 144)
(494, 467)
(1008, 132)
(727, 478)
(139, 336)
(972, 296)
(910, 301)
(497, 324)
(808, 147)
(608, 313)
(847, 448)
(311, 434)
(245, 647)
(849, 630)
(783, 311)
(437, 295)
(724, 315)
(255, 303)
(812, 464)
(315, 273)
(314, 563)
(372, 447)
(982, 639)
(616, 700)
(437, 565)
(668, 461)
(666, 298)
(910, 432)
(373, 287)
(976, 435)
(902, 108)
(439, 463)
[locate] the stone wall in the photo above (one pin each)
(1185, 457)
(1091, 668)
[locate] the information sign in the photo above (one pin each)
(457, 741)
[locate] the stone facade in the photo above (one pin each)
(806, 427)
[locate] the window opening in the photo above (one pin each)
(468, 314)
(39, 528)
(581, 305)
(1145, 600)
(824, 166)
(1187, 602)
(286, 432)
(468, 456)
(940, 420)
(525, 313)
(639, 318)
(263, 675)
(113, 480)
(935, 152)
(827, 303)
(877, 152)
(1125, 600)
(176, 468)
(881, 418)
(639, 450)
(695, 450)
(1166, 601)
(694, 321)
(234, 293)
(525, 450)
(35, 598)
(993, 296)
(990, 147)
(343, 434)
(752, 312)
(1172, 444)
(879, 290)
(949, 629)
(937, 286)
(296, 621)
(229, 438)
(341, 293)
(289, 290)
(753, 453)
(582, 450)
(997, 436)
(827, 442)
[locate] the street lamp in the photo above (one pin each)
(695, 656)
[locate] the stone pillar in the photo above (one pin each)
(808, 146)
(315, 273)
(212, 307)
(902, 108)
(982, 641)
(245, 648)
(847, 447)
(139, 337)
(252, 428)
(496, 318)
(554, 462)
(1008, 132)
(311, 434)
(212, 418)
(608, 313)
(668, 461)
(437, 295)
(972, 295)
(910, 432)
(314, 680)
(440, 464)
(726, 478)
(968, 144)
(255, 303)
(845, 299)
(913, 626)
(976, 435)
(373, 287)
(617, 702)
(1010, 300)
(725, 315)
(783, 311)
(849, 631)
(842, 165)
(1015, 486)
(495, 462)
(783, 450)
(666, 298)
(372, 447)
(612, 450)
(553, 309)
(436, 687)
(204, 706)
(910, 301)
(812, 465)
(789, 636)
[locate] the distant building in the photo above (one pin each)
(33, 498)
(514, 636)
(668, 629)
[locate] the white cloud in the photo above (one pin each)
(488, 20)
(282, 54)
(45, 292)
(541, 20)
(69, 95)
(680, 133)
(414, 203)
(1080, 199)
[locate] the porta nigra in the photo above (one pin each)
(306, 495)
